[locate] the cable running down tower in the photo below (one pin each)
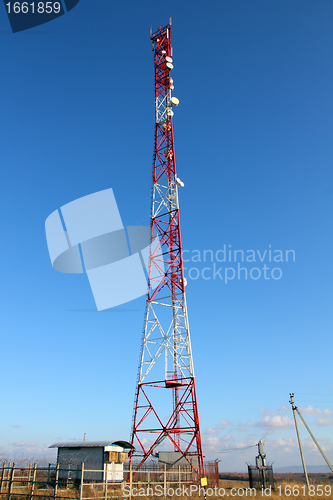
(165, 407)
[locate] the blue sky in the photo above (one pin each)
(253, 135)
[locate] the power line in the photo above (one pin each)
(233, 450)
(274, 426)
(314, 401)
(310, 394)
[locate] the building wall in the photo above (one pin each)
(70, 463)
(70, 460)
(174, 459)
(114, 470)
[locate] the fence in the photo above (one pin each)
(31, 482)
(261, 477)
(54, 482)
(172, 474)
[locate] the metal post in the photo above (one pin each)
(2, 474)
(56, 482)
(81, 482)
(263, 479)
(33, 482)
(299, 439)
(49, 474)
(105, 481)
(130, 481)
(315, 442)
(12, 472)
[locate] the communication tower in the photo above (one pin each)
(165, 407)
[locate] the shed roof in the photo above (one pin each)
(91, 444)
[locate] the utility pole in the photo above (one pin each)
(298, 437)
(165, 406)
(314, 440)
(261, 462)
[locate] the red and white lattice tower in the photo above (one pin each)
(165, 408)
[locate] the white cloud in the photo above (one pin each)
(224, 422)
(228, 438)
(30, 444)
(213, 443)
(310, 410)
(283, 408)
(287, 445)
(216, 443)
(277, 421)
(265, 411)
(324, 422)
(211, 430)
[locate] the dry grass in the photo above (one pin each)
(229, 485)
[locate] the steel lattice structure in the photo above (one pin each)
(166, 335)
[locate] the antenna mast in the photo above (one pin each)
(165, 407)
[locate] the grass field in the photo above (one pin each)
(231, 488)
(231, 485)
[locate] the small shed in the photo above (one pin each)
(105, 457)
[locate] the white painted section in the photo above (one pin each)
(114, 472)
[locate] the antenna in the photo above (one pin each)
(165, 407)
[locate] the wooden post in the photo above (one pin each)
(106, 482)
(130, 481)
(33, 482)
(216, 473)
(12, 472)
(56, 482)
(30, 467)
(164, 480)
(7, 476)
(314, 440)
(179, 481)
(299, 439)
(2, 474)
(48, 474)
(81, 482)
(67, 474)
